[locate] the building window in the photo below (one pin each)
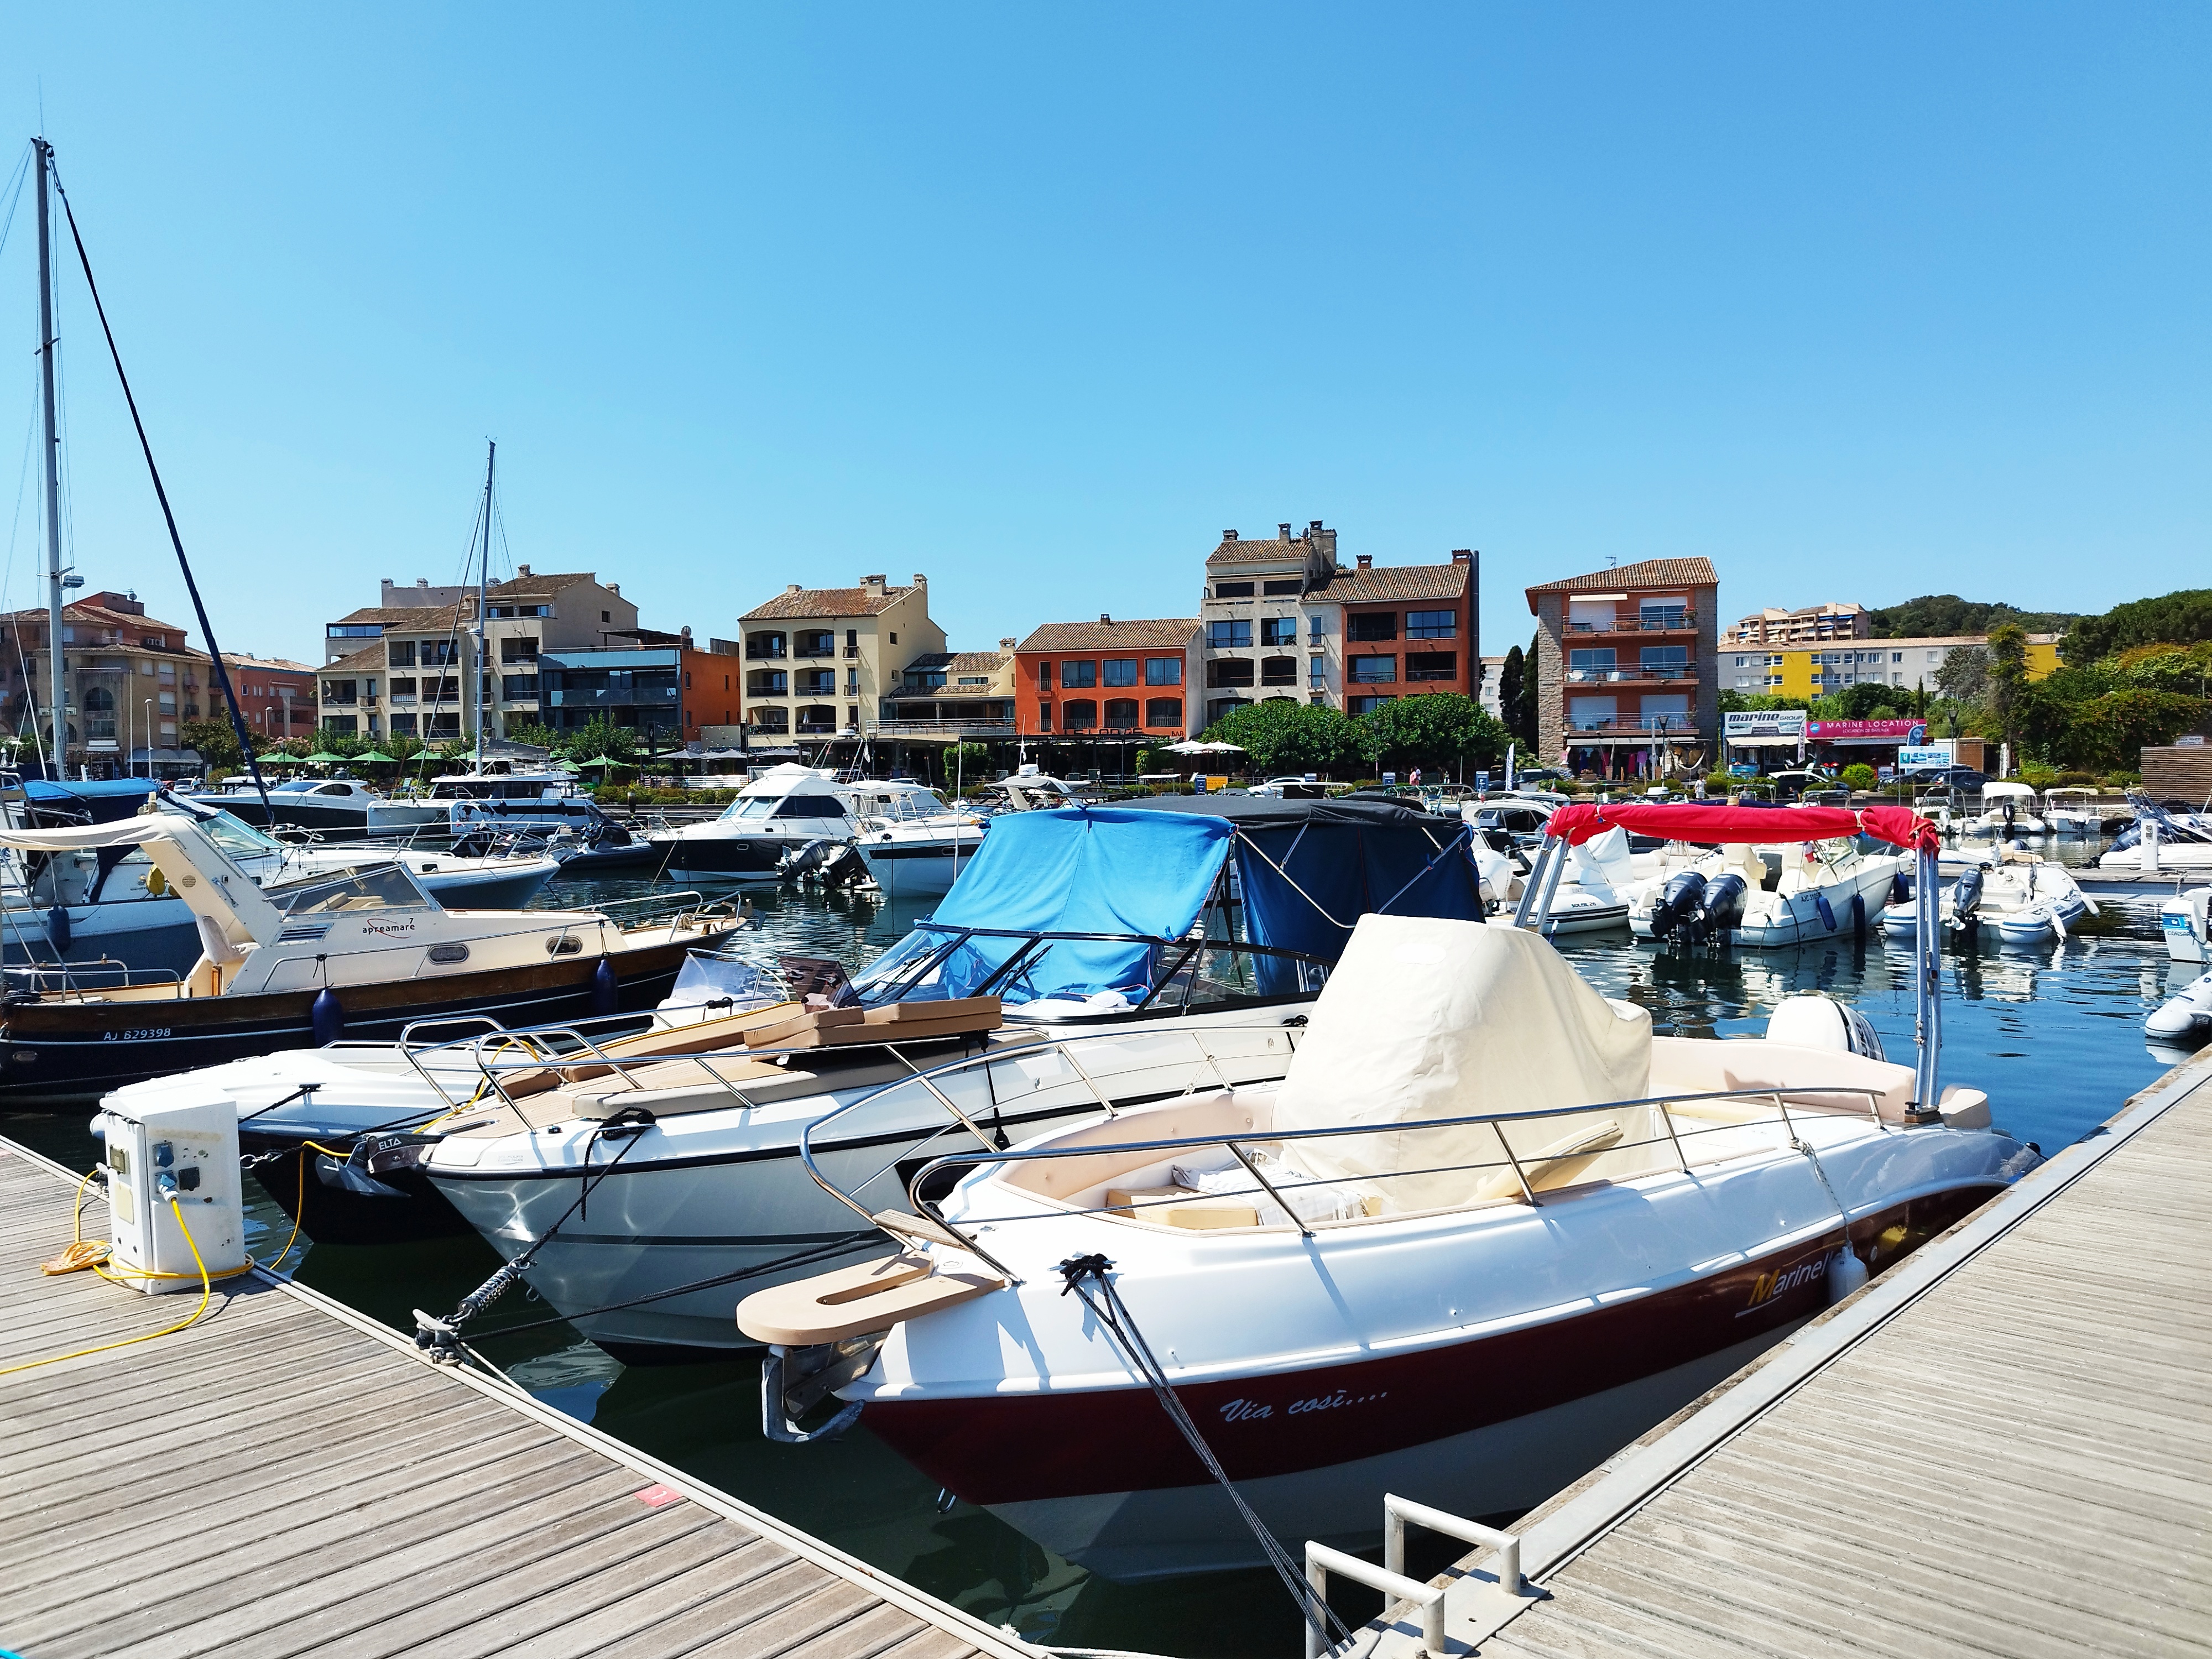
(1230, 635)
(1319, 630)
(399, 654)
(814, 642)
(1163, 671)
(1432, 664)
(816, 682)
(402, 688)
(1372, 671)
(1662, 614)
(1232, 590)
(1665, 662)
(1044, 676)
(1743, 662)
(1432, 625)
(1044, 717)
(1120, 714)
(1228, 671)
(818, 719)
(764, 645)
(1279, 630)
(852, 682)
(1591, 713)
(518, 650)
(1220, 708)
(333, 691)
(403, 723)
(1279, 671)
(1078, 673)
(1291, 585)
(1121, 671)
(1317, 671)
(1371, 626)
(894, 639)
(1365, 705)
(512, 686)
(1590, 664)
(1163, 711)
(345, 723)
(1665, 715)
(1078, 714)
(771, 719)
(852, 717)
(99, 713)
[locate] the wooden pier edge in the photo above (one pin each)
(1579, 1519)
(886, 1587)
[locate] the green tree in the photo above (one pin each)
(1523, 727)
(214, 740)
(538, 736)
(1965, 674)
(1280, 735)
(2187, 669)
(2110, 733)
(1441, 732)
(1511, 686)
(600, 736)
(1858, 775)
(2008, 650)
(1933, 616)
(2182, 617)
(1869, 702)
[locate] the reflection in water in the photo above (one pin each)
(2054, 1036)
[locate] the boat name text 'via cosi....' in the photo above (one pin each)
(1247, 1411)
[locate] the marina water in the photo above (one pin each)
(2053, 1034)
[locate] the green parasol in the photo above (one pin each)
(320, 758)
(599, 760)
(378, 757)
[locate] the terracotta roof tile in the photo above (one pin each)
(1259, 551)
(540, 584)
(1149, 634)
(809, 601)
(1647, 573)
(367, 657)
(1394, 584)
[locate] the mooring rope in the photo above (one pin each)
(1113, 1314)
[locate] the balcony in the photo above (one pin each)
(810, 652)
(1634, 672)
(852, 651)
(627, 697)
(1672, 622)
(943, 728)
(765, 653)
(1682, 728)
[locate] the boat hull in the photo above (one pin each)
(1488, 1425)
(917, 868)
(79, 1050)
(740, 858)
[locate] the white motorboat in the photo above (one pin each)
(1110, 920)
(2071, 810)
(1766, 896)
(113, 905)
(913, 842)
(2008, 809)
(1485, 1230)
(363, 949)
(504, 794)
(2160, 841)
(2022, 899)
(1027, 789)
(335, 807)
(2182, 922)
(782, 811)
(2185, 1019)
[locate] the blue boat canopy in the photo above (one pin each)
(1095, 903)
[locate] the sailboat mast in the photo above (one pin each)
(56, 704)
(483, 592)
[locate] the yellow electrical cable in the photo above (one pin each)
(207, 1293)
(300, 1205)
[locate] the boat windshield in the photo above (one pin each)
(898, 805)
(365, 887)
(1059, 971)
(751, 806)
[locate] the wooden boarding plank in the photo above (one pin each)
(876, 1630)
(746, 1598)
(629, 1608)
(769, 1632)
(928, 1643)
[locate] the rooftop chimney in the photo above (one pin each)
(615, 588)
(1327, 540)
(792, 587)
(873, 586)
(1285, 528)
(920, 581)
(1008, 644)
(1313, 529)
(422, 581)
(1462, 555)
(685, 633)
(1367, 562)
(522, 570)
(1104, 618)
(1228, 535)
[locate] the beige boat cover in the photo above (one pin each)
(1427, 1018)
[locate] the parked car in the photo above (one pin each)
(1964, 778)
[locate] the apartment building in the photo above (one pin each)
(276, 695)
(1809, 624)
(820, 661)
(1282, 619)
(1907, 664)
(659, 685)
(406, 668)
(1112, 678)
(1626, 658)
(1491, 692)
(128, 679)
(953, 695)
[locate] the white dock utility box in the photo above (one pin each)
(186, 1147)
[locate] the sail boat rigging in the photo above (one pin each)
(220, 674)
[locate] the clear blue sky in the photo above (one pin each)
(1861, 301)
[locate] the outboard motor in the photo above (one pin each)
(1814, 1019)
(844, 867)
(1680, 900)
(804, 862)
(1966, 902)
(1722, 909)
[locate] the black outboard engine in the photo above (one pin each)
(1966, 894)
(844, 867)
(804, 862)
(1722, 909)
(1680, 900)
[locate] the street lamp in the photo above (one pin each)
(148, 702)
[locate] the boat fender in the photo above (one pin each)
(1858, 917)
(1827, 911)
(606, 989)
(1846, 1273)
(327, 1016)
(58, 929)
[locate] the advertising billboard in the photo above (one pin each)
(1763, 725)
(1869, 732)
(1914, 757)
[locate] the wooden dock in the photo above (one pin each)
(2002, 1448)
(287, 1477)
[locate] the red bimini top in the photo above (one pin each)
(1900, 826)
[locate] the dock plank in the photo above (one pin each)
(321, 1490)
